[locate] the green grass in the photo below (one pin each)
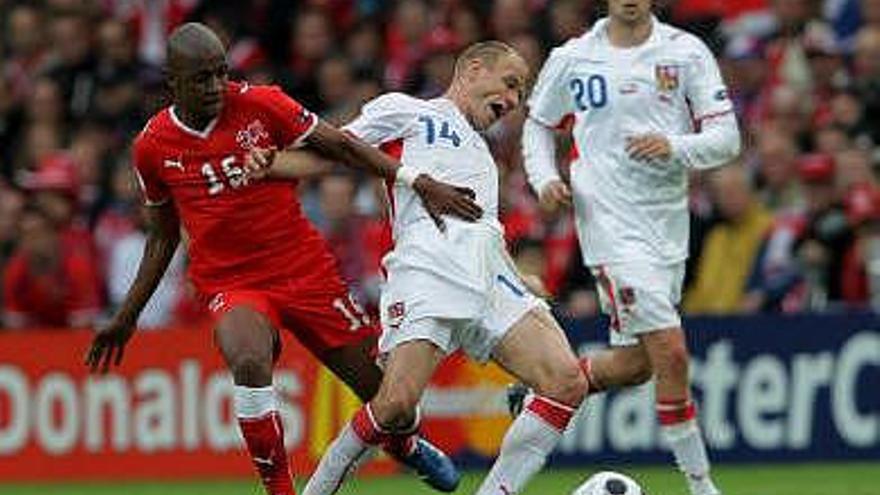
(799, 479)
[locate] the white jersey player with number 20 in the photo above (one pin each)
(456, 287)
(649, 105)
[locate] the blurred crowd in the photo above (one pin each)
(793, 227)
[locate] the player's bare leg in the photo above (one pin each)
(247, 341)
(536, 351)
(618, 367)
(668, 354)
(355, 366)
(391, 412)
(608, 369)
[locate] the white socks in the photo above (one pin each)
(527, 443)
(687, 446)
(254, 402)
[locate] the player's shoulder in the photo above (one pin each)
(396, 101)
(578, 47)
(253, 94)
(682, 41)
(399, 107)
(157, 127)
(574, 48)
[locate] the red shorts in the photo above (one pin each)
(322, 317)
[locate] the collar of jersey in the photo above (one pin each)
(602, 32)
(203, 134)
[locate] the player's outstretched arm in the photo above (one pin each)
(287, 164)
(439, 198)
(162, 240)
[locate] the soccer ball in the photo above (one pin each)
(609, 483)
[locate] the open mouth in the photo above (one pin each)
(497, 109)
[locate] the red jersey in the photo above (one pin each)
(240, 234)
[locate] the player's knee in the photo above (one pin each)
(565, 383)
(638, 371)
(675, 361)
(395, 409)
(251, 369)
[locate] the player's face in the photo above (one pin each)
(629, 11)
(496, 90)
(199, 86)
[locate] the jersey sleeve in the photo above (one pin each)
(146, 168)
(386, 118)
(705, 88)
(290, 123)
(550, 102)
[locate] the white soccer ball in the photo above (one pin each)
(609, 483)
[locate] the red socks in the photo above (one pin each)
(265, 441)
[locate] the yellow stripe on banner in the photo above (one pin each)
(333, 405)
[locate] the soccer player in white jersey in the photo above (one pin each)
(635, 87)
(456, 289)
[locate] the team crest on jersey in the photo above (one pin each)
(396, 312)
(249, 137)
(627, 297)
(667, 77)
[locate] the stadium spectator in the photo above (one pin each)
(859, 278)
(336, 90)
(45, 283)
(466, 26)
(120, 76)
(310, 42)
(55, 190)
(866, 62)
(72, 62)
(568, 19)
(26, 42)
(363, 47)
(826, 234)
(777, 171)
(509, 18)
(406, 41)
(731, 246)
(11, 203)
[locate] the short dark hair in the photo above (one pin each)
(487, 52)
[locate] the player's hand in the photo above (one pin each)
(441, 199)
(649, 147)
(555, 194)
(258, 162)
(108, 344)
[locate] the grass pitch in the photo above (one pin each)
(798, 479)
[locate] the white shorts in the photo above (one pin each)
(639, 297)
(407, 316)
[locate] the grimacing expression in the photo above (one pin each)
(494, 90)
(199, 85)
(629, 11)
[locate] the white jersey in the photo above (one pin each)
(630, 210)
(434, 137)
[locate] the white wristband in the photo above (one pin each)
(406, 175)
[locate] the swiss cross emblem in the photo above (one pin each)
(250, 137)
(667, 77)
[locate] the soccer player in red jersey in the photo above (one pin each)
(256, 261)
